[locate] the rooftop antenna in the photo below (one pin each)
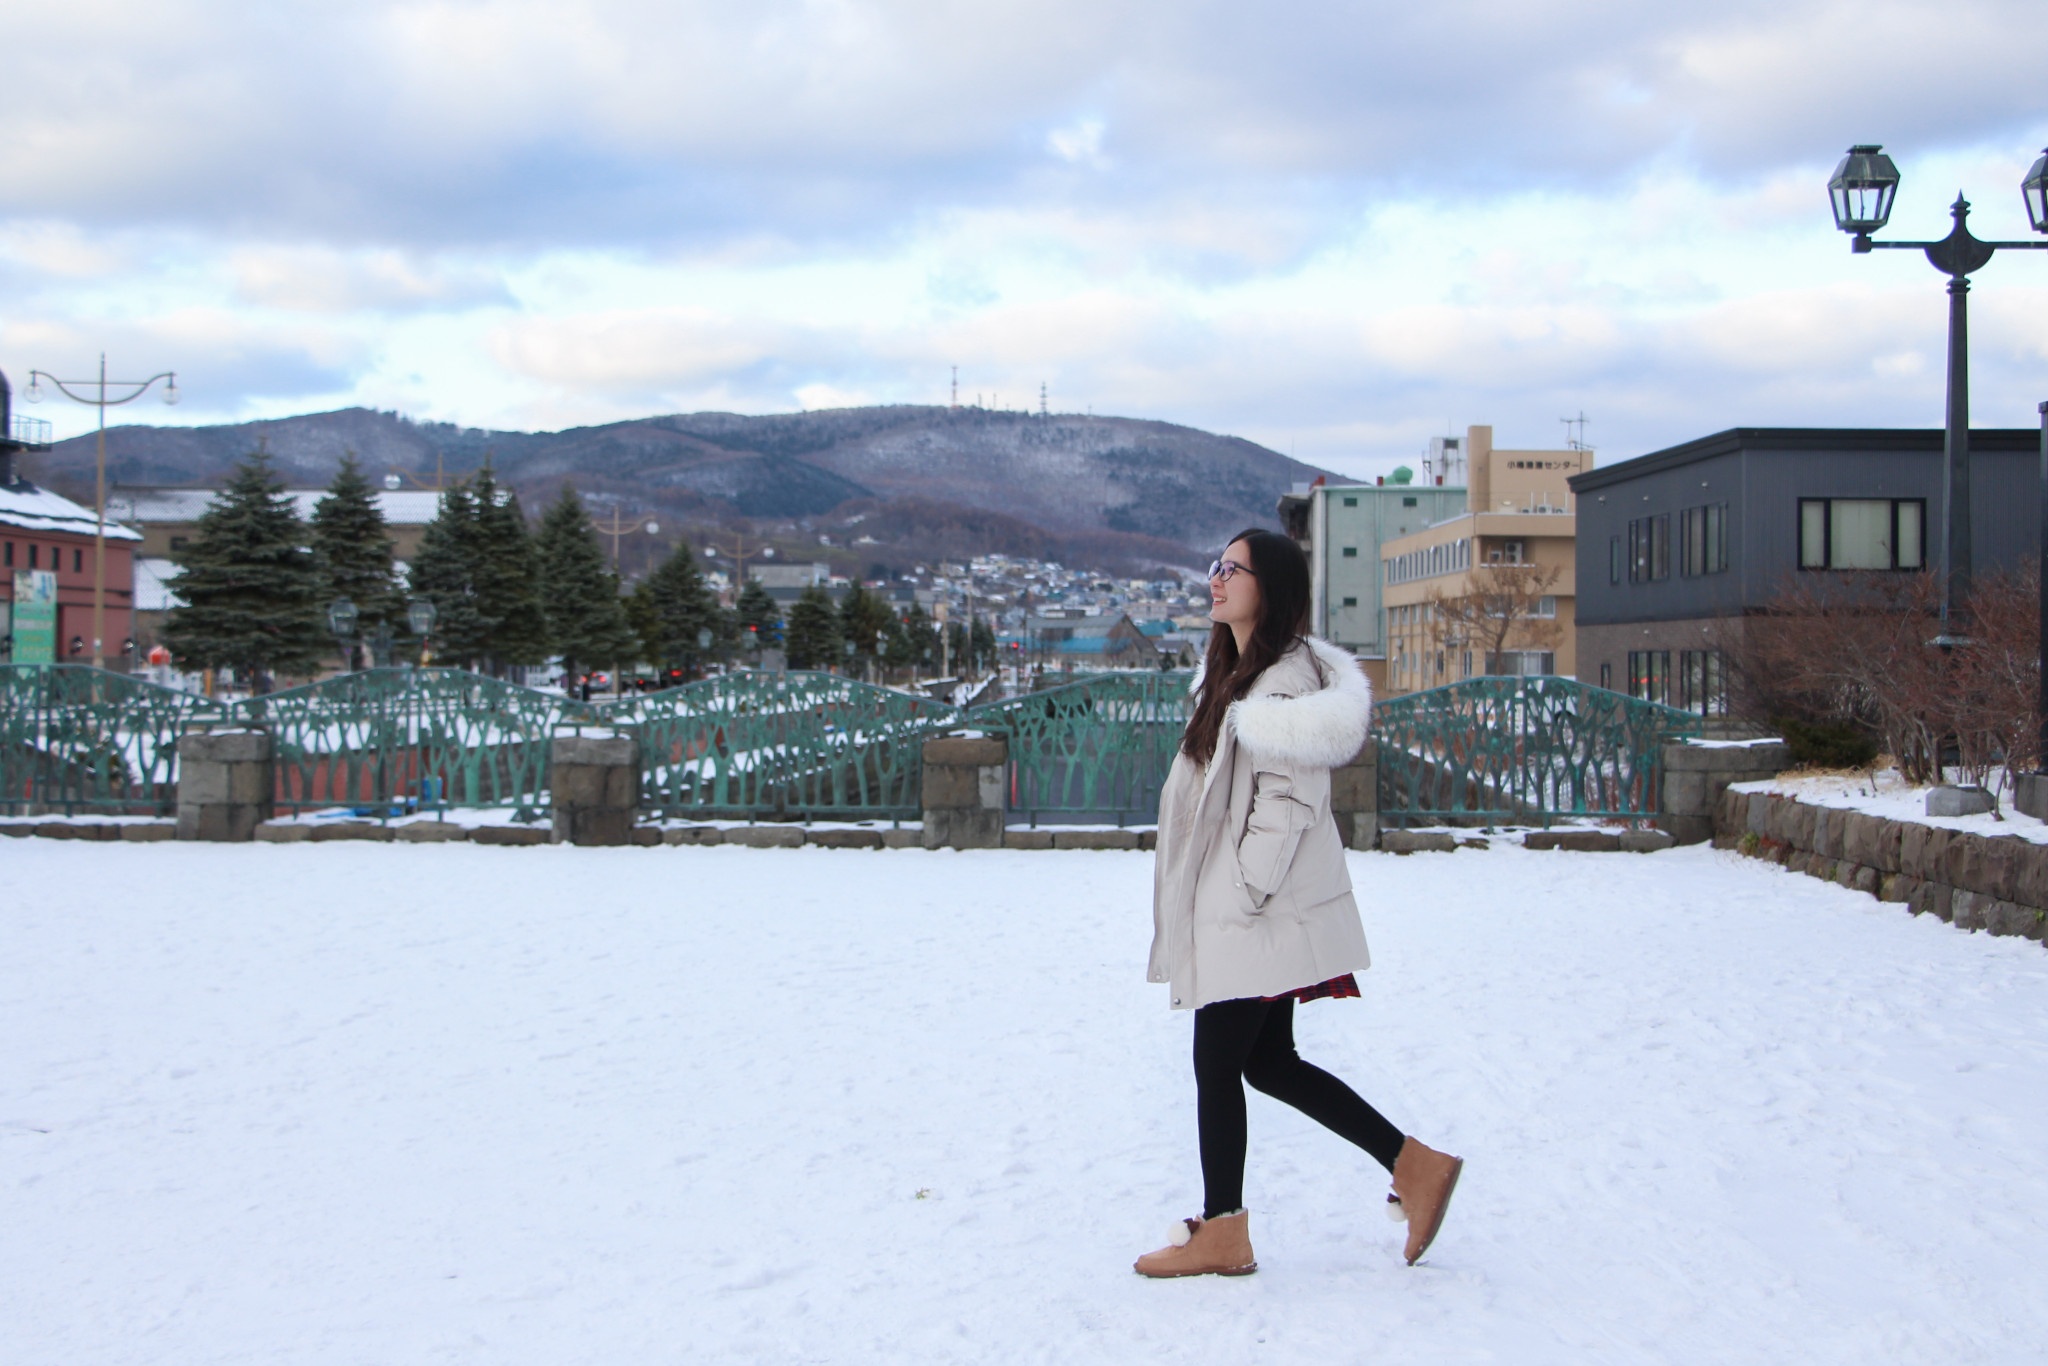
(1041, 398)
(1575, 428)
(956, 388)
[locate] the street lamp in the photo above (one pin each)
(341, 620)
(620, 528)
(135, 388)
(419, 615)
(1861, 192)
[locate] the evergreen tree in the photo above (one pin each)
(674, 605)
(506, 574)
(585, 618)
(863, 616)
(248, 590)
(757, 609)
(981, 644)
(911, 643)
(813, 631)
(352, 549)
(443, 573)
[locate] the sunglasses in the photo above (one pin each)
(1221, 570)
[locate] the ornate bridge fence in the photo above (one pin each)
(1521, 751)
(802, 745)
(781, 745)
(1094, 751)
(74, 738)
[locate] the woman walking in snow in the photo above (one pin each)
(1252, 909)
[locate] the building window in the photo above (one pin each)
(1702, 682)
(1607, 677)
(1408, 502)
(1351, 602)
(1649, 675)
(78, 561)
(1521, 663)
(10, 554)
(1350, 552)
(1703, 540)
(1546, 608)
(1614, 559)
(177, 543)
(1862, 533)
(1649, 548)
(35, 555)
(1351, 502)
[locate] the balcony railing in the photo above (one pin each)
(33, 432)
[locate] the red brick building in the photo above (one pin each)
(41, 531)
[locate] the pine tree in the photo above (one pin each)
(862, 617)
(248, 590)
(443, 572)
(813, 631)
(586, 620)
(352, 549)
(910, 640)
(674, 605)
(981, 642)
(758, 610)
(507, 578)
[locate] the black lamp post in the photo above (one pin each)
(1861, 193)
(341, 619)
(419, 614)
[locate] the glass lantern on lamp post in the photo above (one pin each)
(419, 615)
(341, 620)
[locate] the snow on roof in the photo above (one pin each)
(401, 507)
(29, 508)
(152, 586)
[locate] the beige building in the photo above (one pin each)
(168, 516)
(1519, 511)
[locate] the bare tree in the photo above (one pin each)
(1502, 611)
(1855, 649)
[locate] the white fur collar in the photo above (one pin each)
(1322, 728)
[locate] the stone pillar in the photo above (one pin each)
(2030, 795)
(966, 788)
(594, 788)
(1355, 798)
(226, 785)
(1695, 776)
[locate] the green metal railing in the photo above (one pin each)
(1487, 751)
(1522, 751)
(781, 745)
(1097, 750)
(384, 739)
(75, 738)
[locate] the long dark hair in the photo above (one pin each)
(1282, 571)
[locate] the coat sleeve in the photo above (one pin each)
(1271, 834)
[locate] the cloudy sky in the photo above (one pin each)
(1333, 228)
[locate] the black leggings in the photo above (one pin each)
(1254, 1039)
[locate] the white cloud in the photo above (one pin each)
(1337, 229)
(1079, 143)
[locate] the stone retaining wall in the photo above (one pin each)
(1998, 884)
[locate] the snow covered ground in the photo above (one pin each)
(347, 1103)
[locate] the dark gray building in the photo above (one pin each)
(1677, 547)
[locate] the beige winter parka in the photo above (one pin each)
(1251, 895)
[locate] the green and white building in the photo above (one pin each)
(1342, 527)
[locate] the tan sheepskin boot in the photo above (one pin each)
(1423, 1181)
(1203, 1247)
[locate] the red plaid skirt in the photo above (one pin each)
(1336, 988)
